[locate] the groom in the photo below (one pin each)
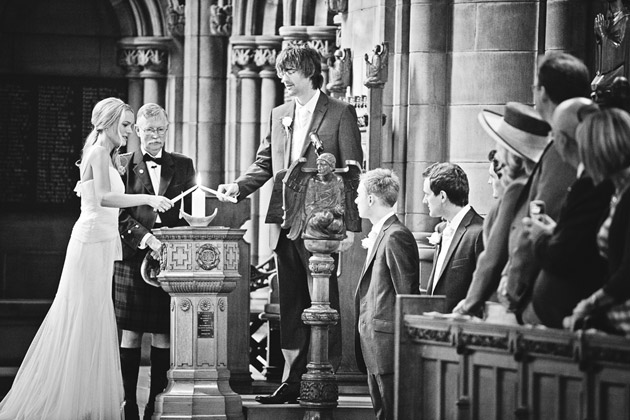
(139, 306)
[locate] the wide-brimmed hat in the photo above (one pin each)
(521, 130)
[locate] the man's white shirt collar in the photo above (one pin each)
(459, 216)
(310, 105)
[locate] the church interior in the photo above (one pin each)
(418, 73)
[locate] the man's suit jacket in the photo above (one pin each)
(572, 268)
(391, 268)
(334, 122)
(549, 182)
(177, 176)
(456, 274)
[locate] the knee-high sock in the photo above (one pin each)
(160, 363)
(130, 366)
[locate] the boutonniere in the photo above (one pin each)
(369, 241)
(286, 123)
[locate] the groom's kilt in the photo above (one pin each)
(138, 305)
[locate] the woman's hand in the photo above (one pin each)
(538, 226)
(159, 203)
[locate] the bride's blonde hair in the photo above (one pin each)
(105, 114)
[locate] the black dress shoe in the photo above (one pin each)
(286, 393)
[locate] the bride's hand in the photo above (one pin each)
(159, 203)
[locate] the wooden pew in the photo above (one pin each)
(456, 369)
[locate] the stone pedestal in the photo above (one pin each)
(199, 268)
(319, 391)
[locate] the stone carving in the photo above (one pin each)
(340, 71)
(265, 57)
(208, 257)
(176, 18)
(243, 57)
(612, 51)
(319, 391)
(154, 59)
(222, 304)
(185, 304)
(424, 334)
(377, 64)
(316, 204)
(323, 318)
(205, 305)
(221, 20)
(337, 6)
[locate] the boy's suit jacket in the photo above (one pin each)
(391, 268)
(334, 122)
(456, 274)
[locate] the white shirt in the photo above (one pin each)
(376, 229)
(447, 238)
(155, 173)
(303, 116)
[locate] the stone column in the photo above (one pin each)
(199, 268)
(145, 59)
(267, 48)
(248, 118)
(205, 54)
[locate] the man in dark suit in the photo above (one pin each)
(291, 128)
(560, 77)
(572, 268)
(461, 242)
(391, 268)
(139, 306)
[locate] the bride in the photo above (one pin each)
(72, 369)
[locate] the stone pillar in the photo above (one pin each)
(267, 48)
(146, 60)
(205, 54)
(248, 118)
(199, 268)
(494, 55)
(376, 77)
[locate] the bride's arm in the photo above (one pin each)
(99, 161)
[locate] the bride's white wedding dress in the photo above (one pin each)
(72, 368)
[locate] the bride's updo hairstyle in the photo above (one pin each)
(105, 114)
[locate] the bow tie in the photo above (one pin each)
(148, 158)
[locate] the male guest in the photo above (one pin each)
(391, 268)
(290, 127)
(572, 268)
(139, 306)
(446, 196)
(560, 77)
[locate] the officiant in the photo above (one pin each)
(141, 307)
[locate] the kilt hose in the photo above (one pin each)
(139, 306)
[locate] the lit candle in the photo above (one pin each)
(198, 201)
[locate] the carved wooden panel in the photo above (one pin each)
(493, 384)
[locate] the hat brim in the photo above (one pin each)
(491, 123)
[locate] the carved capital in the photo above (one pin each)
(265, 57)
(337, 6)
(221, 20)
(142, 56)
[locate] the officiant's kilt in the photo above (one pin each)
(138, 305)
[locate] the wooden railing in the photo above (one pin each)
(455, 369)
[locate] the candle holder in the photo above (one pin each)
(196, 220)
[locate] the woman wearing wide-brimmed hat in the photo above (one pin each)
(521, 137)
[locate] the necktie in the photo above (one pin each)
(148, 158)
(303, 116)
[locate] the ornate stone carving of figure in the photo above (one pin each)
(610, 34)
(315, 201)
(376, 70)
(340, 71)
